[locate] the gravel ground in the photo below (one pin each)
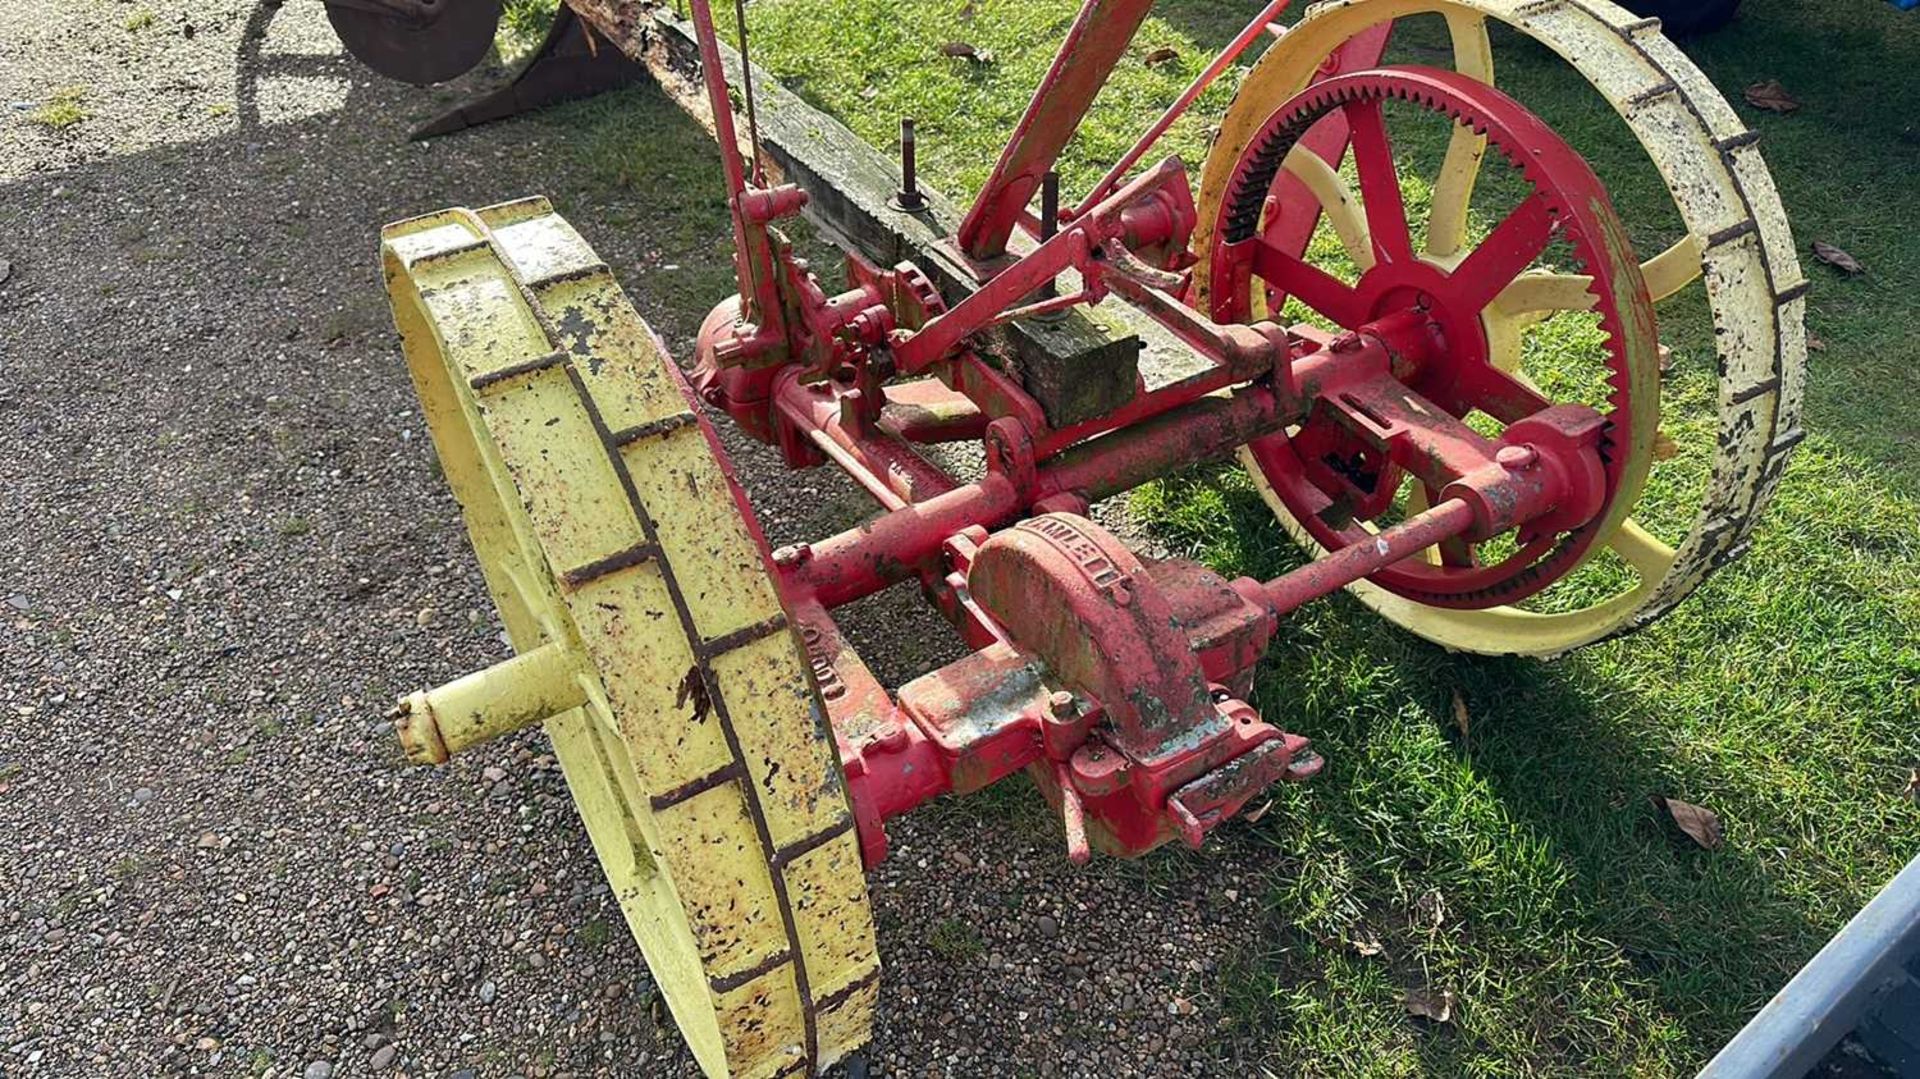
(225, 549)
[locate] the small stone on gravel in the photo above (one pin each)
(384, 1057)
(319, 1069)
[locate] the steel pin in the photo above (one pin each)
(909, 197)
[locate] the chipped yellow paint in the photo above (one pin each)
(1453, 187)
(652, 641)
(705, 535)
(1738, 240)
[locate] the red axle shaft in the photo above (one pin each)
(894, 546)
(1325, 576)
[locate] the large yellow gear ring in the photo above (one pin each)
(1737, 236)
(651, 638)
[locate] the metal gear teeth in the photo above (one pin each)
(1250, 191)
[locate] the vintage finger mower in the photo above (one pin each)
(735, 762)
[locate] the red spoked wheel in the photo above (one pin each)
(1333, 483)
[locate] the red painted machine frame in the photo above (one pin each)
(1119, 685)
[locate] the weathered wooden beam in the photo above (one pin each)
(1078, 367)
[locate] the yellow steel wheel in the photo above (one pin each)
(1737, 237)
(651, 638)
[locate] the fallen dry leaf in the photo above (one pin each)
(1163, 54)
(1364, 941)
(1815, 344)
(1913, 784)
(1258, 811)
(1460, 717)
(1430, 909)
(1666, 359)
(965, 51)
(1836, 257)
(1771, 96)
(1428, 1004)
(1664, 448)
(1702, 825)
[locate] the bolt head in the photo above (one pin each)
(1516, 457)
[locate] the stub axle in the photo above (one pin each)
(528, 689)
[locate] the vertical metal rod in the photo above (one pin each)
(1049, 205)
(909, 197)
(715, 76)
(1205, 79)
(752, 259)
(746, 87)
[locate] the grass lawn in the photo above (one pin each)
(1517, 863)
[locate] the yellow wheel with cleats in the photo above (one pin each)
(650, 637)
(1736, 238)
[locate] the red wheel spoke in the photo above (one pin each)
(1313, 286)
(1509, 249)
(1335, 492)
(1456, 552)
(1379, 182)
(1501, 395)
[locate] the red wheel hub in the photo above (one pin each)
(1329, 478)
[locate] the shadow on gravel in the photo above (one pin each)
(228, 546)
